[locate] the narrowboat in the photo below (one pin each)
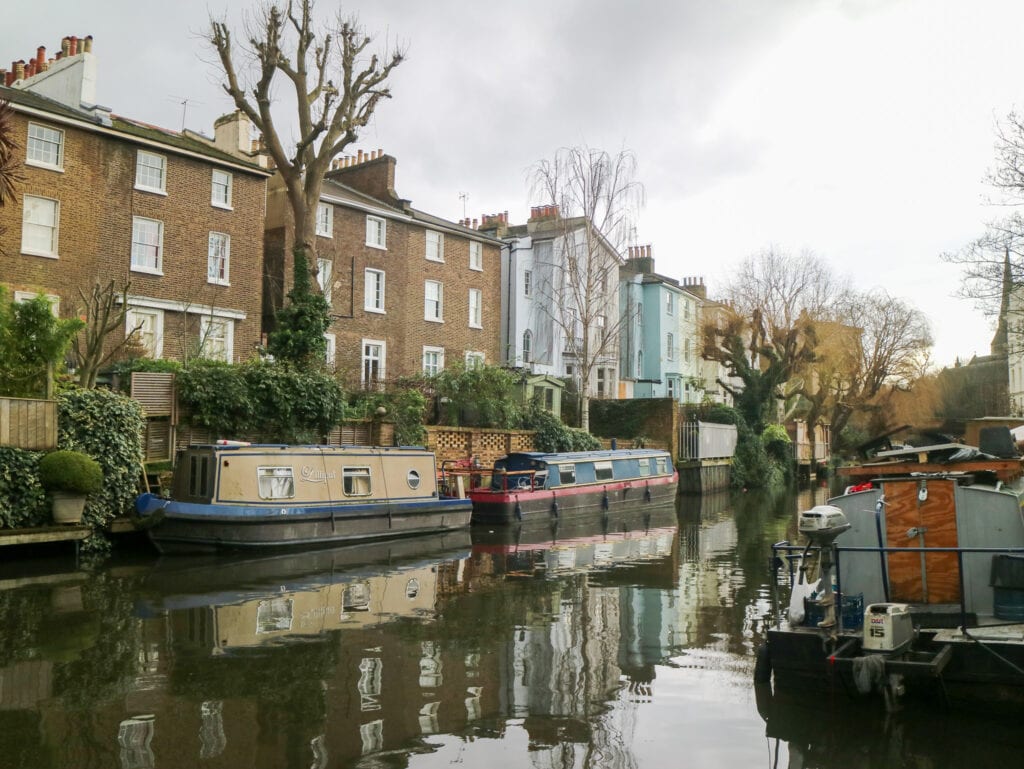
(531, 485)
(235, 495)
(909, 583)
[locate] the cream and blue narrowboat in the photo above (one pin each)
(532, 485)
(235, 495)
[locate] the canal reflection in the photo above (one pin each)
(625, 640)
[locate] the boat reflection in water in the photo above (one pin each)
(590, 543)
(228, 604)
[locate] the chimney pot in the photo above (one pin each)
(19, 70)
(474, 224)
(65, 46)
(72, 45)
(40, 57)
(87, 44)
(359, 157)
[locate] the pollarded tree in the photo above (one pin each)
(596, 197)
(768, 336)
(336, 86)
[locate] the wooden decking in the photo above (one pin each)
(43, 534)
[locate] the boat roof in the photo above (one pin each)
(583, 456)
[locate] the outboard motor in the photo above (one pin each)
(821, 525)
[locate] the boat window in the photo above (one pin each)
(356, 481)
(273, 615)
(199, 475)
(413, 479)
(355, 598)
(662, 465)
(645, 465)
(603, 471)
(566, 474)
(275, 482)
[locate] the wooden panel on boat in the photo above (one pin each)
(905, 510)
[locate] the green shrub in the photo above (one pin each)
(479, 396)
(70, 471)
(551, 435)
(108, 427)
(263, 399)
(22, 498)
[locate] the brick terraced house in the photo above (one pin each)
(409, 292)
(176, 217)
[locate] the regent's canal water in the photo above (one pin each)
(621, 645)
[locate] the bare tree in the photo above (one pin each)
(336, 85)
(105, 310)
(877, 346)
(595, 197)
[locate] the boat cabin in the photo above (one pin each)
(536, 470)
(273, 475)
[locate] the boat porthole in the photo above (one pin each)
(413, 479)
(412, 588)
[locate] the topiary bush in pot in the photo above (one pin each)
(69, 476)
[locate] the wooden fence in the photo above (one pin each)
(30, 424)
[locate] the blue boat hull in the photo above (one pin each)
(184, 527)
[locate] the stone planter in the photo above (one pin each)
(67, 508)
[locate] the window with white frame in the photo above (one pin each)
(527, 282)
(150, 172)
(325, 277)
(668, 304)
(686, 350)
(40, 226)
(527, 345)
(671, 387)
(374, 355)
(476, 255)
(220, 189)
(475, 359)
(435, 246)
(218, 259)
(325, 220)
(602, 329)
(147, 245)
(476, 298)
(373, 291)
(639, 364)
(45, 147)
(602, 383)
(376, 232)
(330, 349)
(52, 299)
(433, 301)
(686, 310)
(670, 347)
(148, 326)
(216, 338)
(433, 360)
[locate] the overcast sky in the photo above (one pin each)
(859, 129)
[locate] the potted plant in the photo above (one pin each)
(69, 476)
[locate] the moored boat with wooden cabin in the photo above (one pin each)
(911, 581)
(531, 485)
(236, 495)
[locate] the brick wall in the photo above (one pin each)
(97, 196)
(402, 326)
